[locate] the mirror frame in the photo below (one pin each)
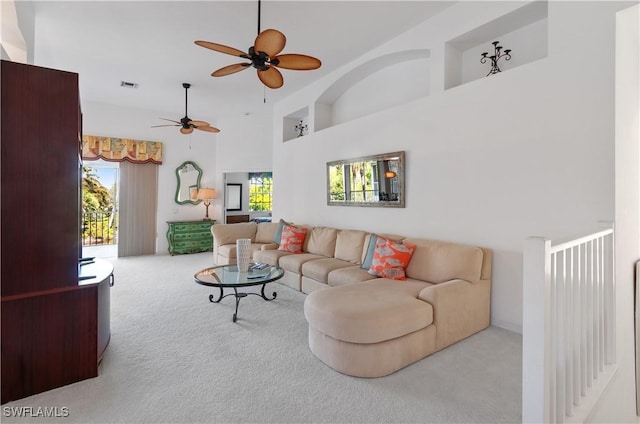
(197, 168)
(233, 197)
(400, 203)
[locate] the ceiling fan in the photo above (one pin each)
(187, 123)
(264, 56)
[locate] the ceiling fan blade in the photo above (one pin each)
(298, 62)
(230, 69)
(271, 77)
(221, 48)
(199, 123)
(171, 120)
(208, 129)
(270, 41)
(156, 126)
(186, 130)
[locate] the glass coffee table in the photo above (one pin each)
(228, 276)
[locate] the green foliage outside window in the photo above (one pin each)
(362, 189)
(336, 177)
(260, 192)
(360, 180)
(99, 222)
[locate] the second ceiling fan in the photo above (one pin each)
(187, 124)
(265, 56)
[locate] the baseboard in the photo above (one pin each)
(507, 326)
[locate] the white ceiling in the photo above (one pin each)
(151, 43)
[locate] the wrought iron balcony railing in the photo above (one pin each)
(99, 228)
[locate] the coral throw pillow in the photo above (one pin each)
(292, 238)
(390, 259)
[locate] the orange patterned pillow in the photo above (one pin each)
(390, 259)
(292, 238)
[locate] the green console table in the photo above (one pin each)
(190, 236)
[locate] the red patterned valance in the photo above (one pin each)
(120, 149)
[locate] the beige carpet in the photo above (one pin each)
(175, 357)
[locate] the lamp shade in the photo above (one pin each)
(206, 194)
(390, 174)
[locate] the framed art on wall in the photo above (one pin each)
(233, 197)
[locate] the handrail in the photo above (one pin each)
(573, 243)
(569, 344)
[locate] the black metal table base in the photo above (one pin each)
(240, 295)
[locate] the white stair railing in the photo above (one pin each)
(569, 352)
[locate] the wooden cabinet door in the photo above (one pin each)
(40, 178)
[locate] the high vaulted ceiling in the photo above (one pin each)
(151, 43)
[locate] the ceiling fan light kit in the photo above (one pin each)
(264, 56)
(187, 124)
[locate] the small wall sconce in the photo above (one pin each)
(206, 195)
(390, 174)
(301, 128)
(496, 57)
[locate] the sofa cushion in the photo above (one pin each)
(269, 256)
(293, 263)
(230, 251)
(322, 241)
(266, 232)
(369, 311)
(437, 261)
(229, 233)
(349, 275)
(319, 269)
(292, 239)
(390, 259)
(349, 245)
(371, 247)
(278, 233)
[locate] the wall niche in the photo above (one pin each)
(401, 76)
(295, 124)
(524, 31)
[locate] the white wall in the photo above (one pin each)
(244, 145)
(114, 121)
(526, 152)
(618, 403)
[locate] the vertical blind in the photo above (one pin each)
(138, 207)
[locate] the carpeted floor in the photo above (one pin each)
(174, 357)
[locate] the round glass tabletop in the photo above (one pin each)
(229, 276)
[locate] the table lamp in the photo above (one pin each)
(206, 195)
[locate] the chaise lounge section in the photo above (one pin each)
(374, 328)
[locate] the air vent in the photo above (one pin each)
(128, 84)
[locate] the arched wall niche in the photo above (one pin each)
(375, 85)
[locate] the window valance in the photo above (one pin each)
(121, 149)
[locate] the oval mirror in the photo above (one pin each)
(188, 175)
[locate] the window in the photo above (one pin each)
(260, 191)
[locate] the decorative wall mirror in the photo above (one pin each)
(233, 197)
(376, 180)
(189, 175)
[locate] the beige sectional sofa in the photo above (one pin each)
(225, 236)
(367, 326)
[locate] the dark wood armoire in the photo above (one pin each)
(54, 328)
